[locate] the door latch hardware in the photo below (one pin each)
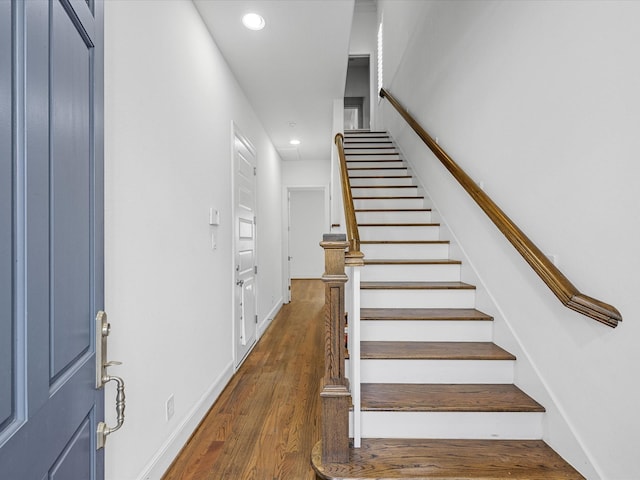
(103, 328)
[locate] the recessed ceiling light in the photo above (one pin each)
(295, 142)
(253, 21)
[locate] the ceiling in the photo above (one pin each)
(292, 70)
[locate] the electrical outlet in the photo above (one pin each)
(170, 407)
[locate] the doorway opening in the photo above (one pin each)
(357, 96)
(307, 220)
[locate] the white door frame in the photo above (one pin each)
(237, 133)
(286, 190)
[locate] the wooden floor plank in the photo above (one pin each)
(265, 423)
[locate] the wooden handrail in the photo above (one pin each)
(354, 255)
(560, 285)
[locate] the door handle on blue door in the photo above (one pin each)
(103, 328)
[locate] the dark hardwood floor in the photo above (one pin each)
(265, 423)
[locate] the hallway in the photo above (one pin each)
(265, 422)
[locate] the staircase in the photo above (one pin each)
(438, 399)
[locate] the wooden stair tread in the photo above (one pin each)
(388, 350)
(416, 286)
(372, 148)
(376, 168)
(351, 140)
(398, 224)
(379, 176)
(404, 242)
(412, 397)
(380, 197)
(365, 160)
(352, 154)
(423, 314)
(379, 135)
(392, 210)
(383, 186)
(414, 261)
(404, 459)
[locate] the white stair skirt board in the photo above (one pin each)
(386, 181)
(436, 371)
(427, 330)
(369, 203)
(417, 216)
(426, 232)
(410, 191)
(448, 272)
(462, 425)
(405, 250)
(410, 298)
(396, 171)
(384, 163)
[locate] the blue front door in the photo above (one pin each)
(51, 253)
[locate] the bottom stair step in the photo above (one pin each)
(447, 460)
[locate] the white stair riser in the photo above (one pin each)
(405, 251)
(364, 204)
(409, 191)
(400, 233)
(364, 134)
(436, 371)
(376, 172)
(459, 298)
(384, 163)
(373, 156)
(367, 142)
(370, 148)
(459, 425)
(418, 216)
(411, 273)
(386, 181)
(426, 330)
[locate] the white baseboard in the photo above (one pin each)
(170, 449)
(262, 326)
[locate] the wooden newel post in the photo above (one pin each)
(335, 394)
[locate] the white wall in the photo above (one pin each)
(170, 102)
(540, 102)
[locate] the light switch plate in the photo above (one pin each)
(214, 216)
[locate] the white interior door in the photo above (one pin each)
(245, 301)
(306, 226)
